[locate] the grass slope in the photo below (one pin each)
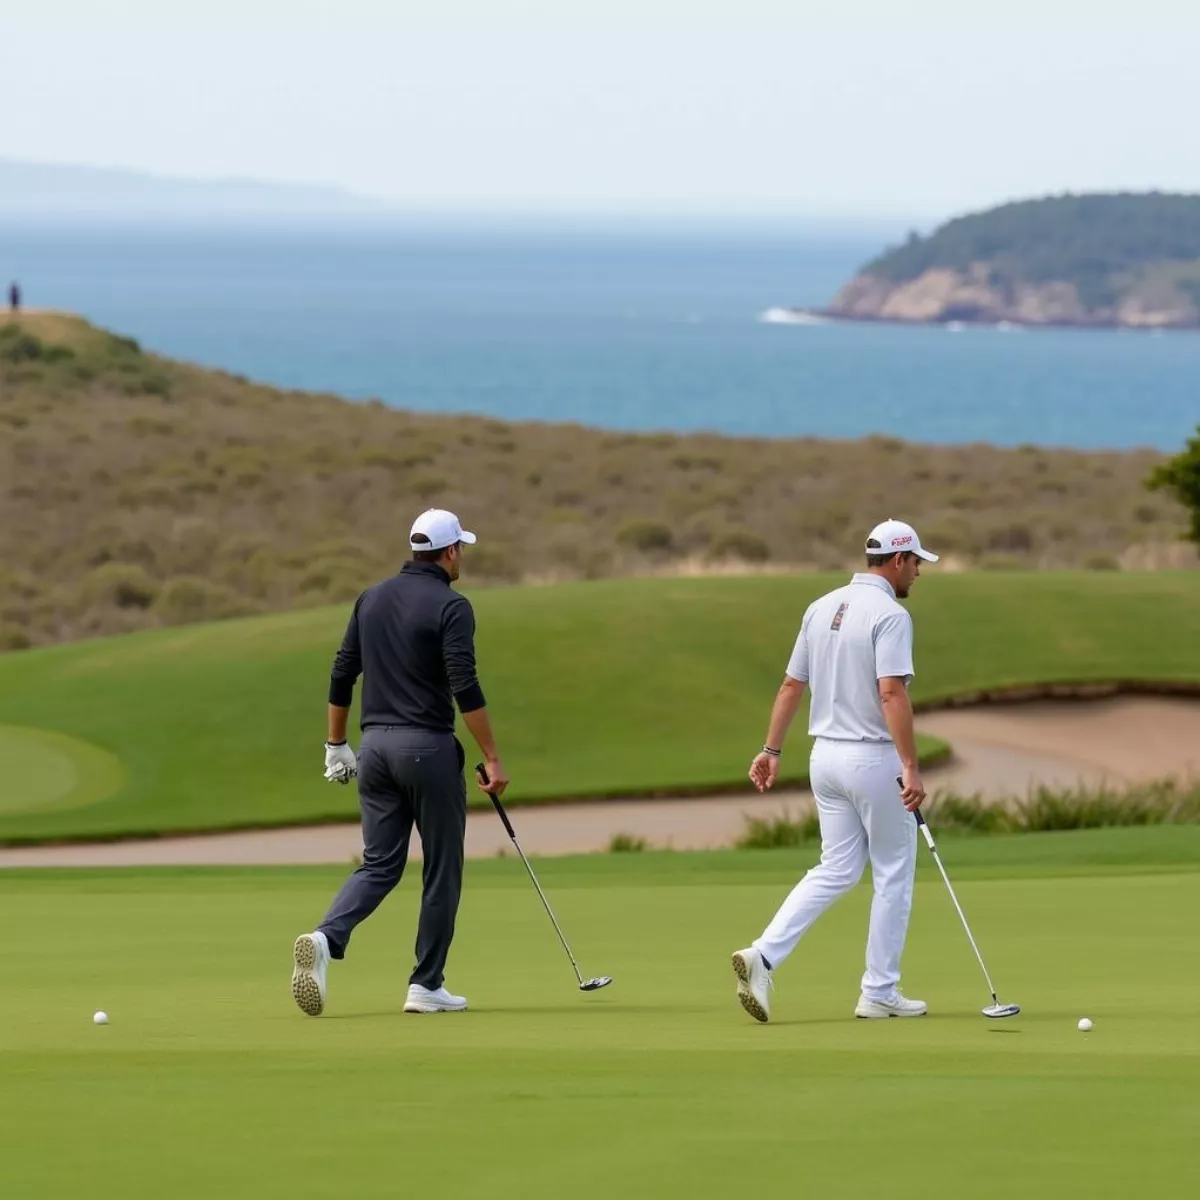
(140, 492)
(208, 1080)
(621, 687)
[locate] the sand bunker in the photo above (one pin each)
(998, 750)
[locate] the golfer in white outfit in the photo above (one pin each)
(854, 653)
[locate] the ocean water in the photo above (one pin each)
(643, 329)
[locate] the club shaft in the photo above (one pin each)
(512, 836)
(549, 910)
(962, 917)
(928, 836)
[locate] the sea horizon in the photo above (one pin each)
(635, 326)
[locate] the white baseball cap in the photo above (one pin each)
(442, 528)
(895, 537)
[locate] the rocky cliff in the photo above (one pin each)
(1107, 259)
(982, 294)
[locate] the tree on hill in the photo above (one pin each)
(1072, 238)
(1181, 475)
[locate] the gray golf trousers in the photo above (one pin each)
(405, 776)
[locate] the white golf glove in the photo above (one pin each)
(341, 765)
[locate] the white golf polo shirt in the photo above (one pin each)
(850, 639)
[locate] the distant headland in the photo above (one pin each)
(1118, 260)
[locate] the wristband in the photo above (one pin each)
(330, 745)
(772, 751)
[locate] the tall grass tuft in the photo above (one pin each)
(1044, 809)
(1041, 810)
(770, 833)
(626, 843)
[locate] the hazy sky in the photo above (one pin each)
(857, 107)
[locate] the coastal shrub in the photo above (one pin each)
(646, 536)
(1012, 536)
(14, 637)
(497, 562)
(121, 584)
(185, 599)
(18, 347)
(740, 544)
(1041, 810)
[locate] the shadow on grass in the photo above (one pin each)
(527, 1010)
(941, 1019)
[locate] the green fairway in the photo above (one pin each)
(597, 689)
(209, 1081)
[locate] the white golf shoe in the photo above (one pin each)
(422, 1000)
(311, 957)
(754, 983)
(895, 1005)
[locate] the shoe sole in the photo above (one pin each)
(431, 1008)
(305, 989)
(880, 1016)
(742, 970)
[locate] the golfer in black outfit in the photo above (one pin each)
(412, 638)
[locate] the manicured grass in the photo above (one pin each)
(208, 1081)
(611, 688)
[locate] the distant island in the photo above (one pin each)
(1106, 260)
(34, 190)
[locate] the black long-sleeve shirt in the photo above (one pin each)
(412, 639)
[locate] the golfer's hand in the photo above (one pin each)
(764, 770)
(340, 763)
(497, 778)
(912, 790)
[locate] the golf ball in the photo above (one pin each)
(1085, 1023)
(101, 1018)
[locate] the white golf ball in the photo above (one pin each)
(1085, 1023)
(101, 1018)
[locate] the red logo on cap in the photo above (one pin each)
(901, 541)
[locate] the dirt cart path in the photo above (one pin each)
(999, 750)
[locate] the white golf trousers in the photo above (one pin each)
(862, 817)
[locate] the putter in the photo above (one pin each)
(995, 1009)
(585, 985)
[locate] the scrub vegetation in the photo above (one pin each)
(140, 492)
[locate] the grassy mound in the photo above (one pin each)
(223, 1086)
(141, 492)
(613, 688)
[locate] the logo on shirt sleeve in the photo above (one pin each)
(836, 623)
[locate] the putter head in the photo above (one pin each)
(1001, 1010)
(592, 985)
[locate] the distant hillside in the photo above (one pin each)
(1117, 259)
(40, 190)
(137, 491)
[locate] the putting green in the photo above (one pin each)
(615, 688)
(208, 1080)
(42, 768)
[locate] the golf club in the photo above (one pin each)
(995, 1009)
(585, 985)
